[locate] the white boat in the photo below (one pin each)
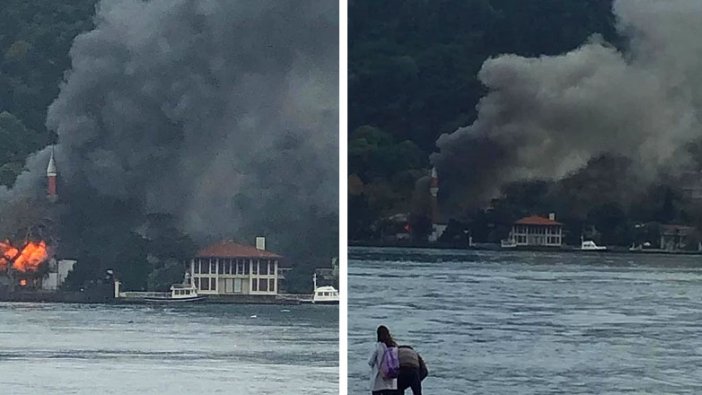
(179, 293)
(324, 295)
(589, 245)
(509, 243)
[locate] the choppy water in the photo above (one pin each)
(532, 323)
(194, 349)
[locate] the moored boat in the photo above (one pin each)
(323, 295)
(180, 293)
(589, 245)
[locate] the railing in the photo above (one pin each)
(140, 295)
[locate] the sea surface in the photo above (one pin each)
(189, 349)
(532, 323)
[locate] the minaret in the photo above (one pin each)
(51, 174)
(437, 227)
(434, 191)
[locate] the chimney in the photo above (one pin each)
(552, 216)
(261, 243)
(51, 174)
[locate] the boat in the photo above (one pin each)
(324, 295)
(509, 243)
(180, 293)
(589, 245)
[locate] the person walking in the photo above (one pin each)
(384, 347)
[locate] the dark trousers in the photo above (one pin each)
(409, 378)
(384, 392)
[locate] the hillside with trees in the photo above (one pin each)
(150, 252)
(35, 38)
(413, 76)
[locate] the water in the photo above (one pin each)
(532, 323)
(194, 349)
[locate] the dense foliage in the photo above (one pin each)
(413, 64)
(35, 38)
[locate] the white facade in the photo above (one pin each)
(58, 271)
(436, 231)
(537, 235)
(235, 276)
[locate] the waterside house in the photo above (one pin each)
(537, 231)
(678, 238)
(228, 268)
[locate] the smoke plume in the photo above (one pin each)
(221, 113)
(546, 117)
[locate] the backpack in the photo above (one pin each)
(390, 366)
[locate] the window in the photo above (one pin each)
(205, 284)
(237, 285)
(263, 285)
(204, 267)
(230, 266)
(213, 283)
(254, 285)
(254, 267)
(196, 267)
(213, 267)
(221, 267)
(271, 285)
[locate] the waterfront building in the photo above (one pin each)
(678, 238)
(537, 231)
(229, 268)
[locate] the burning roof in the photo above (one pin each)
(27, 259)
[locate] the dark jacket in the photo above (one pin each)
(409, 360)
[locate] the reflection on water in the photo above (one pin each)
(99, 349)
(532, 323)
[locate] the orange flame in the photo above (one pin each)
(29, 259)
(23, 282)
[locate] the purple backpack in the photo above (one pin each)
(390, 366)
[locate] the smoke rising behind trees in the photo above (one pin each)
(222, 115)
(546, 117)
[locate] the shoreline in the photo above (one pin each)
(497, 248)
(85, 298)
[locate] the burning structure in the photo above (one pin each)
(239, 100)
(23, 266)
(31, 265)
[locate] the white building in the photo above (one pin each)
(228, 268)
(56, 276)
(537, 231)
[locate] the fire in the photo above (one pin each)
(28, 259)
(23, 282)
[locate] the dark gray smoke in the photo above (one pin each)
(546, 117)
(222, 113)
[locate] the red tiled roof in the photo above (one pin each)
(229, 249)
(536, 220)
